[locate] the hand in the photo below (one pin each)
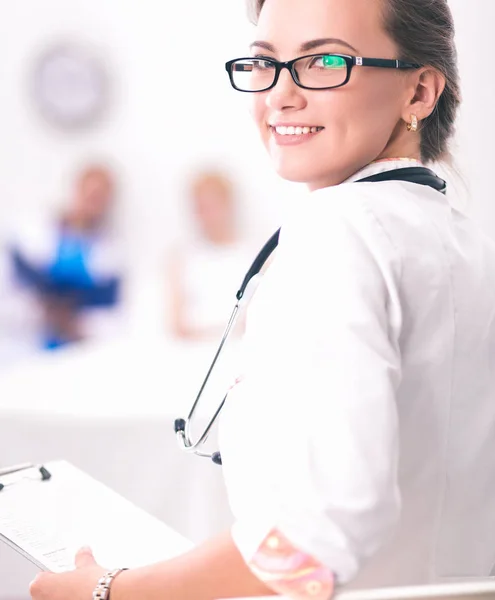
(76, 585)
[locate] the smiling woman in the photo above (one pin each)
(424, 33)
(358, 440)
(366, 109)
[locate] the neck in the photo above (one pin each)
(78, 223)
(395, 158)
(222, 238)
(402, 143)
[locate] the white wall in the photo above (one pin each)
(475, 145)
(156, 131)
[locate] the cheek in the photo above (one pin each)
(363, 117)
(258, 110)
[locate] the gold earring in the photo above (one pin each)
(413, 125)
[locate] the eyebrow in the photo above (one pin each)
(307, 46)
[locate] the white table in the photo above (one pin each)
(476, 589)
(110, 411)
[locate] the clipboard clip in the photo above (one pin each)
(43, 471)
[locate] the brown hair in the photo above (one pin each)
(423, 31)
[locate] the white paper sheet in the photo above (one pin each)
(48, 521)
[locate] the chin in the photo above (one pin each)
(293, 170)
(299, 172)
(293, 175)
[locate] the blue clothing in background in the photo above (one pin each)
(69, 277)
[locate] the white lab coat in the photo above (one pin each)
(364, 424)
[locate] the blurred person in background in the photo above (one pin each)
(72, 265)
(205, 271)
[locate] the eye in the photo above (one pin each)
(262, 63)
(328, 62)
(258, 65)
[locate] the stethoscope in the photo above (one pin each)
(419, 175)
(183, 426)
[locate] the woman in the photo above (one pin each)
(204, 272)
(359, 446)
(72, 267)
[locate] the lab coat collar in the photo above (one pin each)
(381, 166)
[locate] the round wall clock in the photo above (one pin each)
(70, 86)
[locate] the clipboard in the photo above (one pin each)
(43, 472)
(48, 512)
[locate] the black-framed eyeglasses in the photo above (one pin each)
(311, 72)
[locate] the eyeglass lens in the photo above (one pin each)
(317, 72)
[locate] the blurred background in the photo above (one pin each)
(133, 195)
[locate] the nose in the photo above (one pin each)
(286, 94)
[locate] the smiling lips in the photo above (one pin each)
(293, 134)
(294, 129)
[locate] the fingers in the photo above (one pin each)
(85, 558)
(38, 586)
(50, 586)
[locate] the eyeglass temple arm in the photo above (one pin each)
(385, 62)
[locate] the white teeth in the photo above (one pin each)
(291, 130)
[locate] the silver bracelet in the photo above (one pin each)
(102, 589)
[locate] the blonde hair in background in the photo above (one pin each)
(212, 179)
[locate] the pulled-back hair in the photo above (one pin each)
(423, 31)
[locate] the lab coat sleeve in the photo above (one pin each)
(331, 443)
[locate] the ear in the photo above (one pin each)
(428, 86)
